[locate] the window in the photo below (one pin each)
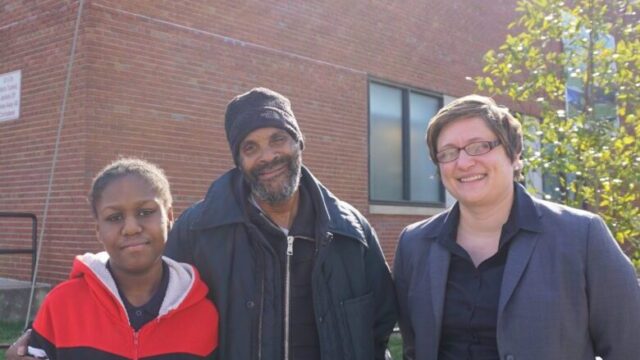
(400, 170)
(575, 46)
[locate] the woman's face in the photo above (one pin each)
(132, 224)
(475, 180)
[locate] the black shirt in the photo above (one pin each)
(471, 297)
(140, 315)
(303, 339)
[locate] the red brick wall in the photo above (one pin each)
(35, 37)
(152, 79)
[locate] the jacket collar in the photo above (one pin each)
(224, 204)
(527, 214)
(220, 205)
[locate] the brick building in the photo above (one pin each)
(152, 79)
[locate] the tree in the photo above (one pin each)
(575, 68)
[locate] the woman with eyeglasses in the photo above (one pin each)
(503, 275)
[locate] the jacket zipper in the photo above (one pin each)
(287, 296)
(135, 345)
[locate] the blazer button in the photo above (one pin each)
(250, 304)
(509, 357)
(320, 319)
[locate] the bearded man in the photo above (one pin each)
(295, 272)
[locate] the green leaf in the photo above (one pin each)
(594, 160)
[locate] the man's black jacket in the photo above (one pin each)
(353, 295)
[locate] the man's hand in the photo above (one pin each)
(18, 350)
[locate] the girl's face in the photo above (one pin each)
(132, 224)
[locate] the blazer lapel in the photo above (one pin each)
(519, 255)
(438, 269)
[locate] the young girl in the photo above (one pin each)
(128, 302)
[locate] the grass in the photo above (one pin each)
(9, 332)
(395, 346)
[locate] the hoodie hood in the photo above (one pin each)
(184, 288)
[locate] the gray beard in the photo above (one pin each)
(262, 191)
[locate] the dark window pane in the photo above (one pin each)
(385, 145)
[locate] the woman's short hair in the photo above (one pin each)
(147, 171)
(497, 118)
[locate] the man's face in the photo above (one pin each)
(270, 160)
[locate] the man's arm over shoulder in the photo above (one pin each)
(41, 347)
(614, 296)
(18, 349)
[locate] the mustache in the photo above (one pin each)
(270, 165)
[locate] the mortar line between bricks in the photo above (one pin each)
(18, 22)
(231, 40)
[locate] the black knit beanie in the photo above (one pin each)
(258, 108)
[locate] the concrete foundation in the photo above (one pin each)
(14, 299)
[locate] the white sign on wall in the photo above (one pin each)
(10, 95)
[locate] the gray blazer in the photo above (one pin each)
(568, 292)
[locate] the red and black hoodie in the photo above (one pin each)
(85, 318)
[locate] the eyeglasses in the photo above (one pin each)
(473, 149)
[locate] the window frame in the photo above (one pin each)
(406, 92)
